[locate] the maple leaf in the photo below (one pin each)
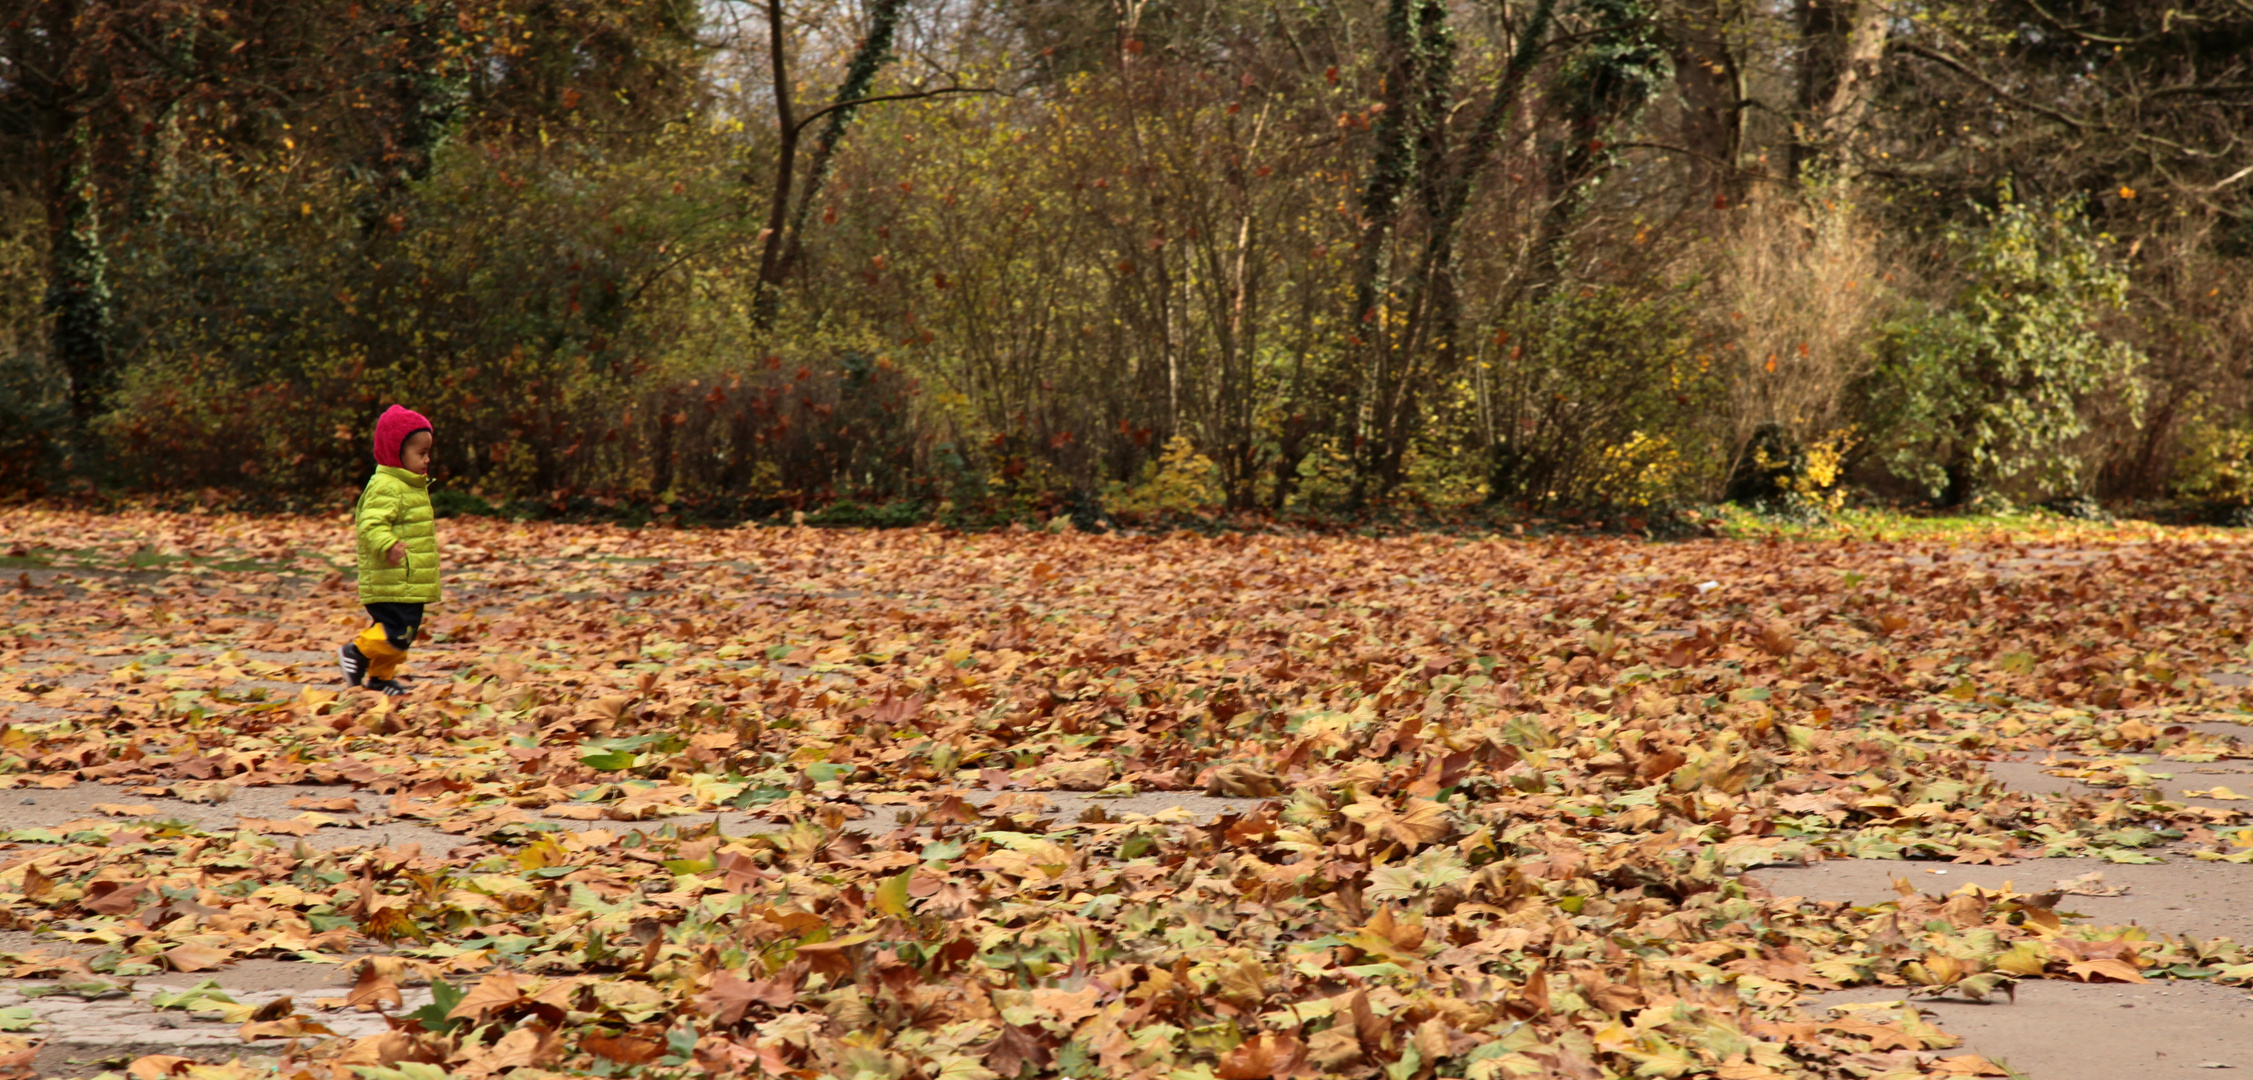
(123, 810)
(729, 997)
(492, 994)
(1418, 822)
(2106, 969)
(626, 1049)
(520, 1048)
(293, 1027)
(1243, 780)
(1969, 1065)
(1262, 1056)
(158, 1066)
(195, 957)
(373, 990)
(114, 897)
(1014, 1048)
(1334, 1048)
(1576, 760)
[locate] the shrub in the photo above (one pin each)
(1796, 296)
(1987, 389)
(1600, 395)
(1181, 481)
(2217, 468)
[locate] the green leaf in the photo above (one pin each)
(407, 1070)
(2131, 857)
(443, 997)
(18, 1018)
(586, 899)
(612, 761)
(202, 995)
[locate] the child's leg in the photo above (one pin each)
(386, 643)
(383, 657)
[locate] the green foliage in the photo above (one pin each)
(2217, 468)
(1181, 481)
(1789, 481)
(34, 402)
(1601, 397)
(1374, 255)
(448, 502)
(900, 514)
(1624, 64)
(1987, 389)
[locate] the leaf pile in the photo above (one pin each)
(1494, 796)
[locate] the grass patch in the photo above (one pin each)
(253, 566)
(1739, 523)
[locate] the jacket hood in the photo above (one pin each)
(391, 432)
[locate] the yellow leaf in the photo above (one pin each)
(2023, 959)
(891, 897)
(2218, 791)
(2109, 968)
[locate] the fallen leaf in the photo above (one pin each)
(195, 957)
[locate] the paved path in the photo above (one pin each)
(2057, 1030)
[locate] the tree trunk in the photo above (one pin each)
(1421, 50)
(78, 297)
(768, 296)
(1714, 102)
(1842, 42)
(860, 76)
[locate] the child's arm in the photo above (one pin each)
(379, 507)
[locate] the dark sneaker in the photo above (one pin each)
(390, 687)
(353, 663)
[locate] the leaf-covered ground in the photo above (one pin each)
(1502, 791)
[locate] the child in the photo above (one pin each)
(398, 551)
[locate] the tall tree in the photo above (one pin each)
(789, 200)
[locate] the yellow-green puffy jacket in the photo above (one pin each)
(395, 507)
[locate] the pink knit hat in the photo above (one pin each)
(391, 432)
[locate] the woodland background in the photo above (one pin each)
(905, 258)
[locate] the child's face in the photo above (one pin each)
(415, 454)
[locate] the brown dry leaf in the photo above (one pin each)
(1262, 1056)
(492, 994)
(373, 991)
(344, 805)
(729, 997)
(2089, 884)
(2106, 969)
(520, 1048)
(294, 1027)
(195, 957)
(626, 1050)
(125, 809)
(1536, 756)
(1420, 821)
(285, 827)
(158, 1066)
(1244, 781)
(1968, 1065)
(114, 897)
